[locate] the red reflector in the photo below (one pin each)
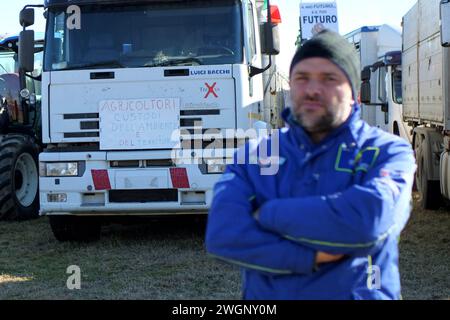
(101, 179)
(275, 14)
(179, 178)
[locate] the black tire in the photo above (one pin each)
(396, 130)
(75, 228)
(430, 192)
(19, 178)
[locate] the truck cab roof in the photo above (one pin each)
(59, 3)
(9, 43)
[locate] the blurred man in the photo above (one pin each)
(326, 225)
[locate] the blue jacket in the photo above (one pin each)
(350, 194)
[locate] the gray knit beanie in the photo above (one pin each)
(330, 45)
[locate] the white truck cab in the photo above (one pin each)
(379, 48)
(142, 102)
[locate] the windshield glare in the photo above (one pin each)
(7, 62)
(397, 85)
(186, 33)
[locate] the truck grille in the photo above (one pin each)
(143, 196)
(81, 134)
(190, 123)
(199, 112)
(72, 116)
(212, 144)
(155, 163)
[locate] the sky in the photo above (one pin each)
(352, 14)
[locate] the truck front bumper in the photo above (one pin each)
(100, 189)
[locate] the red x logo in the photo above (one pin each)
(211, 90)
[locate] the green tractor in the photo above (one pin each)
(19, 133)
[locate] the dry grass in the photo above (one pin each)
(165, 259)
(425, 255)
(156, 260)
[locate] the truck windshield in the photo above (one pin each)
(397, 85)
(148, 35)
(7, 67)
(7, 62)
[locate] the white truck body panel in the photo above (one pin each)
(372, 44)
(410, 65)
(81, 95)
(423, 61)
(426, 87)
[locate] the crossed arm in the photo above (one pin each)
(293, 235)
(235, 236)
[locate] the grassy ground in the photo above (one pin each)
(166, 260)
(158, 260)
(425, 255)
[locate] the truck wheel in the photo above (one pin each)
(19, 178)
(396, 130)
(74, 228)
(430, 190)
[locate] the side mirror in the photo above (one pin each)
(366, 91)
(270, 39)
(366, 74)
(26, 17)
(26, 50)
(445, 23)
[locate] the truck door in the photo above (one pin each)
(253, 58)
(382, 113)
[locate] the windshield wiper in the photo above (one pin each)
(174, 62)
(110, 63)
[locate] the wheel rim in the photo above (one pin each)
(25, 179)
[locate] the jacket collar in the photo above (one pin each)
(351, 125)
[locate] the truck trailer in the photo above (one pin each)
(144, 102)
(426, 96)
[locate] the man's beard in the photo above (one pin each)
(324, 123)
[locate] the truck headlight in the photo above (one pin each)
(58, 169)
(57, 197)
